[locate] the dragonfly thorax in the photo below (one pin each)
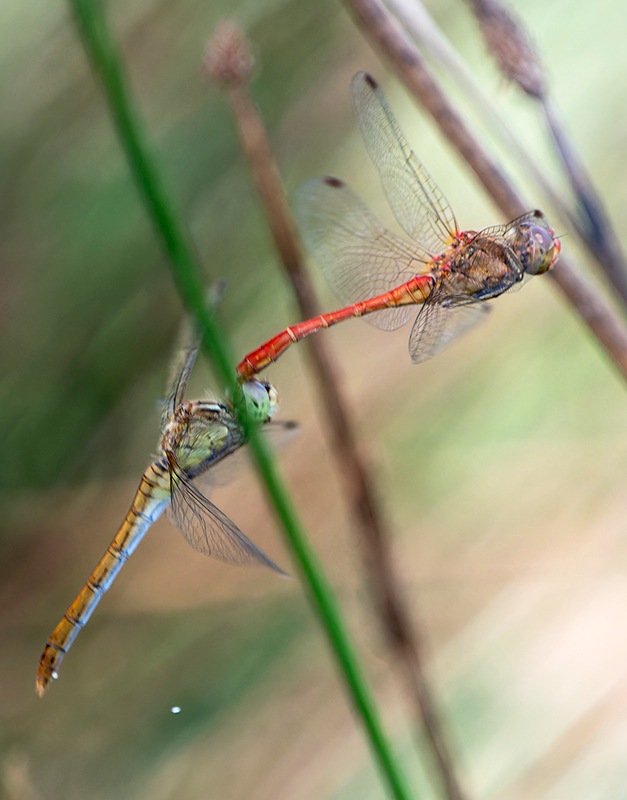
(197, 426)
(483, 268)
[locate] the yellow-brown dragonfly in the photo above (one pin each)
(196, 436)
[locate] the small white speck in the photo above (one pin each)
(176, 709)
(54, 676)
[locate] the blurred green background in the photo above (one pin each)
(500, 464)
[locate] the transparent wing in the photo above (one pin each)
(359, 257)
(419, 206)
(501, 231)
(438, 324)
(278, 433)
(207, 529)
(180, 368)
(184, 355)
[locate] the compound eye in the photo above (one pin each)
(273, 398)
(542, 237)
(542, 250)
(262, 399)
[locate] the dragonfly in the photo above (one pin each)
(196, 437)
(377, 274)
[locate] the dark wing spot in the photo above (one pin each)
(336, 183)
(370, 81)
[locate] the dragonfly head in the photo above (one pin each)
(261, 398)
(534, 242)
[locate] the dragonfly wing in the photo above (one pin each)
(359, 257)
(504, 230)
(278, 433)
(180, 369)
(184, 355)
(439, 323)
(419, 206)
(208, 530)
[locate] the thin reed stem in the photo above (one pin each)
(423, 28)
(592, 222)
(508, 41)
(229, 63)
(187, 274)
(386, 33)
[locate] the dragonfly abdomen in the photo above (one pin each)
(414, 291)
(151, 499)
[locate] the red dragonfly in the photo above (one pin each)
(448, 272)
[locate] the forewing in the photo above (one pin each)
(184, 355)
(359, 257)
(278, 433)
(501, 231)
(419, 206)
(180, 368)
(208, 530)
(438, 324)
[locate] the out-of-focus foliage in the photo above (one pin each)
(76, 240)
(501, 463)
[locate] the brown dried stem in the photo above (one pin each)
(420, 24)
(592, 222)
(386, 33)
(508, 41)
(509, 44)
(403, 637)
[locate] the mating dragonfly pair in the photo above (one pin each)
(448, 272)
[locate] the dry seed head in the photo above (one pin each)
(507, 40)
(228, 59)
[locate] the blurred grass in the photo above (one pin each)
(502, 462)
(85, 180)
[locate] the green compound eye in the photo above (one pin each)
(262, 399)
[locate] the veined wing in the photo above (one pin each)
(359, 256)
(502, 231)
(180, 369)
(437, 325)
(184, 355)
(224, 470)
(207, 529)
(419, 206)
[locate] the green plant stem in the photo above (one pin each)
(187, 274)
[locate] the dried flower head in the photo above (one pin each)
(508, 42)
(228, 59)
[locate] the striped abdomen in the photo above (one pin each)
(414, 292)
(151, 499)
